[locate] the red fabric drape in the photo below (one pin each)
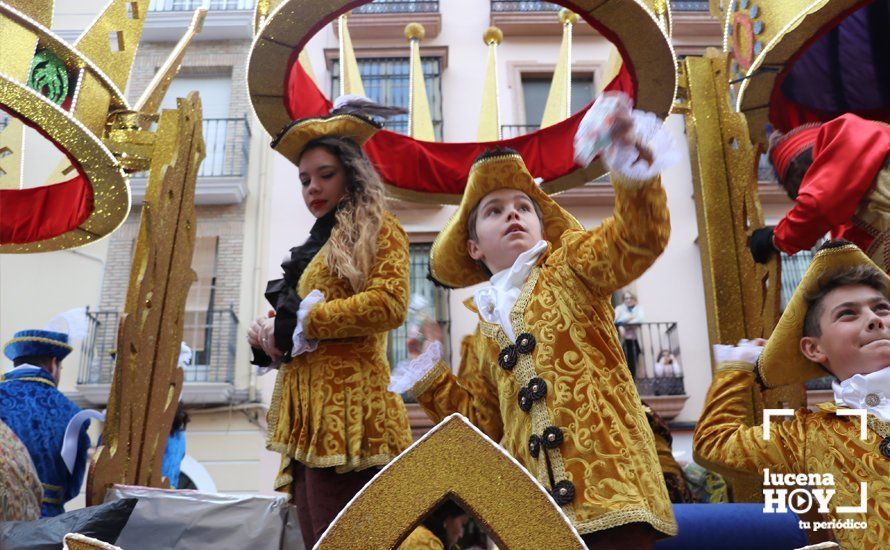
(848, 154)
(434, 167)
(30, 215)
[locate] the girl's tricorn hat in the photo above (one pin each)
(450, 264)
(782, 362)
(350, 118)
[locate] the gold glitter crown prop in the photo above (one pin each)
(72, 94)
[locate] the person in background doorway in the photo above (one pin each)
(628, 316)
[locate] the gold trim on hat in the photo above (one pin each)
(292, 140)
(40, 339)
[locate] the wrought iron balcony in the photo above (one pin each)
(519, 5)
(398, 6)
(653, 339)
(693, 5)
(227, 141)
(192, 5)
(533, 6)
(222, 177)
(765, 172)
(213, 338)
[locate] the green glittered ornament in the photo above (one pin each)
(49, 76)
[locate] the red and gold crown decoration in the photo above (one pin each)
(72, 95)
(783, 60)
(417, 167)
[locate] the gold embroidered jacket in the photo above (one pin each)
(561, 399)
(422, 538)
(331, 407)
(809, 443)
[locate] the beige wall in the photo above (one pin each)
(35, 287)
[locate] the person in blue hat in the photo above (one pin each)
(39, 414)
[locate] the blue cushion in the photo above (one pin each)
(733, 527)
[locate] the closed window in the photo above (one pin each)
(386, 81)
(436, 306)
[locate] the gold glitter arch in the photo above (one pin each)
(762, 36)
(283, 27)
(454, 460)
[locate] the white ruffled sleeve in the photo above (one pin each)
(745, 352)
(301, 343)
(651, 133)
(409, 372)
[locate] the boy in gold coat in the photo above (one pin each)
(544, 373)
(838, 323)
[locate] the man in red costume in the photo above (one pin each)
(838, 175)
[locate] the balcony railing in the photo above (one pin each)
(227, 141)
(192, 5)
(398, 6)
(213, 339)
(693, 5)
(653, 338)
(522, 6)
(518, 5)
(765, 170)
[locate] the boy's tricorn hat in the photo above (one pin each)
(450, 264)
(782, 362)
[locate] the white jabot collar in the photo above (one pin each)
(866, 391)
(25, 367)
(495, 300)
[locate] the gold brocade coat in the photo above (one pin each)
(422, 538)
(331, 407)
(607, 455)
(810, 443)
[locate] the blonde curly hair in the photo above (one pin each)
(352, 246)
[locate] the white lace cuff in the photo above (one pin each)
(409, 372)
(624, 159)
(594, 137)
(301, 343)
(745, 352)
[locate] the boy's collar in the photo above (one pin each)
(524, 262)
(865, 391)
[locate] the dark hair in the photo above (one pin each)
(865, 275)
(43, 361)
(180, 419)
(795, 173)
(495, 152)
(435, 521)
(352, 247)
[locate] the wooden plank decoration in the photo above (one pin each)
(742, 297)
(147, 380)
